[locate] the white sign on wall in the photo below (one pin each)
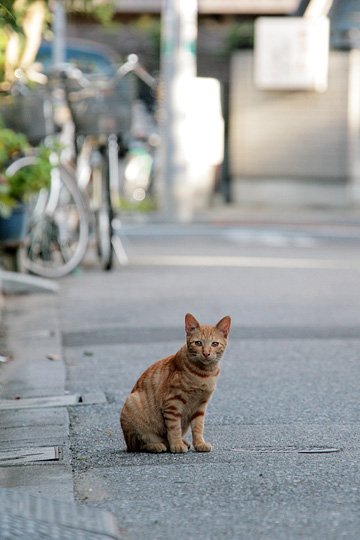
(292, 53)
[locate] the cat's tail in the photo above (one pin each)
(133, 444)
(132, 440)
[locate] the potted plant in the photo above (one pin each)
(16, 189)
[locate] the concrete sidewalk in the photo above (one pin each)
(36, 485)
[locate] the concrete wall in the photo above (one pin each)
(289, 147)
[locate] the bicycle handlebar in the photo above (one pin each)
(131, 65)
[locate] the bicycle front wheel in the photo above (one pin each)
(58, 230)
(103, 213)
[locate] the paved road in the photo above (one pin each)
(284, 420)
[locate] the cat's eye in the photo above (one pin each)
(215, 344)
(198, 343)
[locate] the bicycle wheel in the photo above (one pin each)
(58, 229)
(103, 212)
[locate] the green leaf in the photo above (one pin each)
(8, 16)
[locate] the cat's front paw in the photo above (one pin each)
(179, 448)
(203, 446)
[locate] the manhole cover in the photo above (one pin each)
(287, 449)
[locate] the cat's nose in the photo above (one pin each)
(206, 354)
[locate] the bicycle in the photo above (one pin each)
(102, 116)
(58, 217)
(58, 225)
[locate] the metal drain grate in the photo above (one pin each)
(27, 456)
(53, 401)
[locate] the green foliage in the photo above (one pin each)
(149, 204)
(11, 18)
(152, 26)
(8, 16)
(103, 10)
(12, 145)
(27, 181)
(241, 36)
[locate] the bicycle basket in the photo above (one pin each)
(101, 109)
(30, 114)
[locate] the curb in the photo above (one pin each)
(32, 337)
(14, 283)
(36, 482)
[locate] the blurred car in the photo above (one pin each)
(90, 57)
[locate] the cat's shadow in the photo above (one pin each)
(121, 457)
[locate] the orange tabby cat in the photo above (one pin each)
(172, 394)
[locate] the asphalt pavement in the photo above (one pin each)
(284, 420)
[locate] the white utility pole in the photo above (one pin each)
(178, 69)
(318, 8)
(59, 28)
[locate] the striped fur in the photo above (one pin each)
(172, 394)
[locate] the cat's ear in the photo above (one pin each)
(224, 326)
(191, 324)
